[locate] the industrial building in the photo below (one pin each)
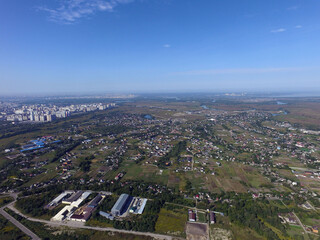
(82, 214)
(34, 144)
(74, 211)
(123, 201)
(58, 199)
(67, 210)
(73, 197)
(138, 205)
(106, 215)
(81, 199)
(94, 202)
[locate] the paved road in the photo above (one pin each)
(18, 224)
(313, 208)
(69, 224)
(300, 222)
(81, 225)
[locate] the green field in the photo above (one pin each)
(5, 200)
(9, 232)
(171, 222)
(202, 217)
(237, 233)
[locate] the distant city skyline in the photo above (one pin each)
(141, 46)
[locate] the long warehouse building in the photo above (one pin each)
(119, 206)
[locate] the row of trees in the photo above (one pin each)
(85, 164)
(34, 205)
(174, 153)
(59, 152)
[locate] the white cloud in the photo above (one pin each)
(69, 11)
(167, 46)
(298, 26)
(279, 30)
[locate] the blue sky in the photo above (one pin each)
(78, 46)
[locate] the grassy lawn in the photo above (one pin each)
(238, 233)
(3, 161)
(197, 179)
(96, 223)
(148, 173)
(171, 222)
(292, 162)
(202, 217)
(277, 231)
(42, 178)
(256, 180)
(296, 232)
(5, 200)
(134, 171)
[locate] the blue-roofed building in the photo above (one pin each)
(123, 201)
(106, 215)
(35, 144)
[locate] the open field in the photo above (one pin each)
(202, 217)
(223, 229)
(148, 173)
(296, 232)
(171, 222)
(233, 176)
(306, 114)
(197, 231)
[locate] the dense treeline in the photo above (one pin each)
(5, 200)
(107, 204)
(53, 189)
(254, 214)
(34, 205)
(174, 153)
(85, 164)
(8, 232)
(108, 130)
(10, 130)
(144, 223)
(59, 152)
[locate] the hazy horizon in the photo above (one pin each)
(168, 94)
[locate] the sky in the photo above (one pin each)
(135, 46)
